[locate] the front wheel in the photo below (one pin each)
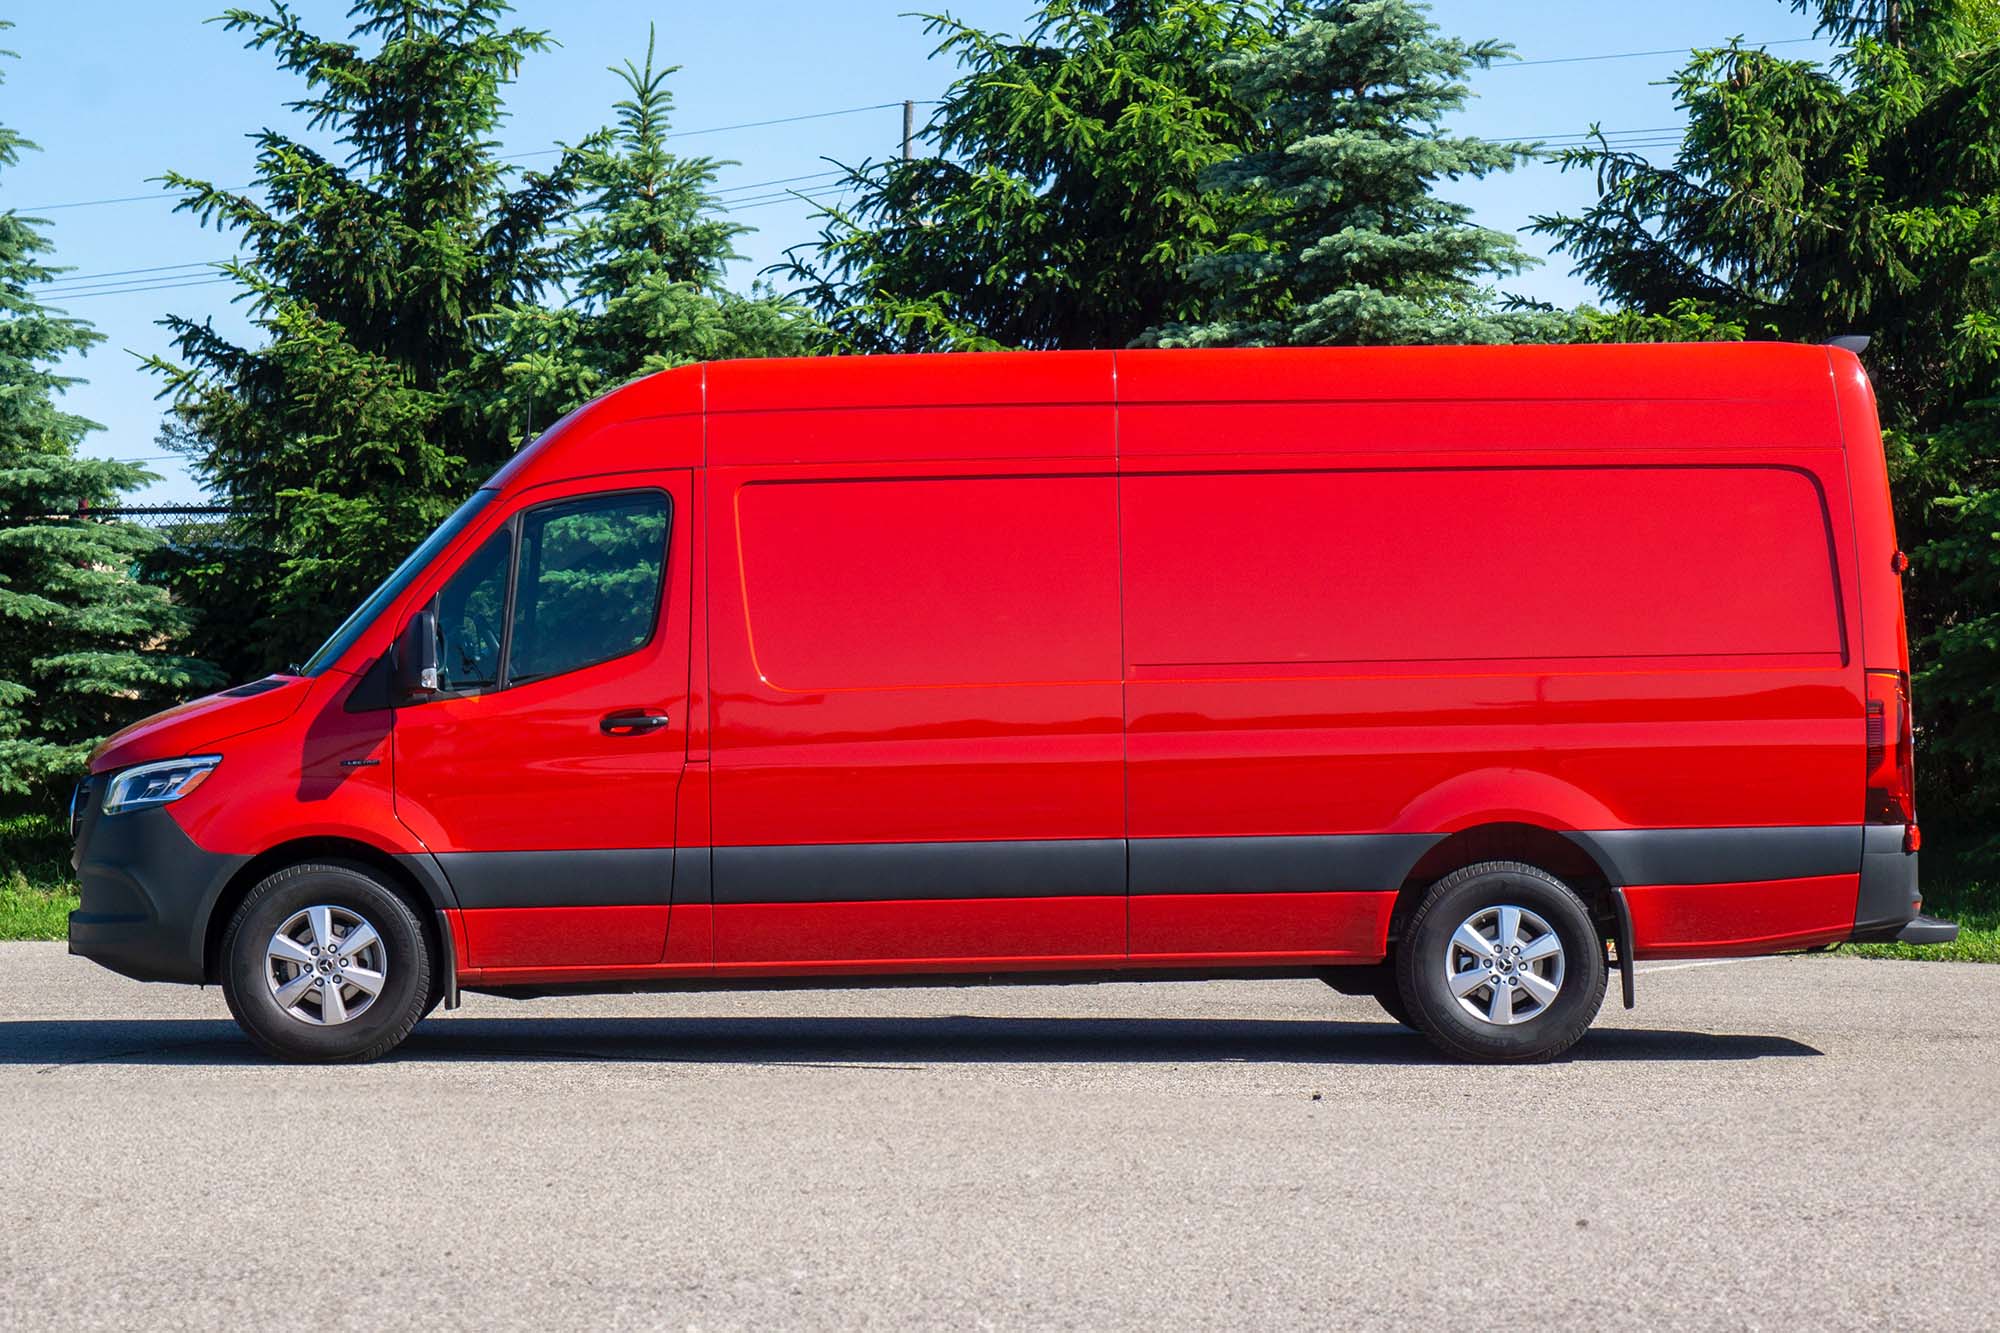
(325, 962)
(1501, 963)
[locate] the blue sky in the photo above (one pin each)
(119, 92)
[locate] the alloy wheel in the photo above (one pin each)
(326, 965)
(1504, 965)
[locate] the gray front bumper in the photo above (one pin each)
(147, 893)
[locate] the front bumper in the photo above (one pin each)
(1890, 905)
(147, 891)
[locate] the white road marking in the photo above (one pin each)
(1642, 969)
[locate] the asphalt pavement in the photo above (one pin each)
(1765, 1144)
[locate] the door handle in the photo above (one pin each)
(633, 723)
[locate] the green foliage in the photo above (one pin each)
(645, 267)
(83, 644)
(1060, 206)
(37, 889)
(1344, 241)
(1864, 197)
(348, 433)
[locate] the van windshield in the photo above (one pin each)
(364, 615)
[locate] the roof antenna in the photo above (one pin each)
(1856, 343)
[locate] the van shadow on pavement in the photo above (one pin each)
(853, 1042)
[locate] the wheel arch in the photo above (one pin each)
(415, 878)
(1509, 840)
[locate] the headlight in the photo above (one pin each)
(156, 784)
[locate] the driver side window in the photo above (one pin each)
(470, 611)
(583, 587)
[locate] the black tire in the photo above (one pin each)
(406, 974)
(1424, 982)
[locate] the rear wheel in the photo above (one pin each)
(325, 962)
(1501, 962)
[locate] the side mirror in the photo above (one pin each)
(417, 657)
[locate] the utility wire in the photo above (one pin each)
(750, 195)
(132, 291)
(77, 282)
(884, 106)
(68, 278)
(744, 197)
(1634, 55)
(512, 157)
(79, 293)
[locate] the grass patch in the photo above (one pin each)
(37, 890)
(1956, 888)
(1975, 944)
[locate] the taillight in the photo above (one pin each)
(1892, 779)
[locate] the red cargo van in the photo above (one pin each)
(1454, 676)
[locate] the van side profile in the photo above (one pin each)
(1454, 676)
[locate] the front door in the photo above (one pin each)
(544, 773)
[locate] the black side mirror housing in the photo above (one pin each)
(417, 657)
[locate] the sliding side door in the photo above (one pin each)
(917, 749)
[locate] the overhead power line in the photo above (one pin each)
(511, 157)
(1634, 55)
(64, 297)
(885, 106)
(759, 194)
(80, 282)
(68, 278)
(135, 288)
(748, 196)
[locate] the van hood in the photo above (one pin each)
(199, 724)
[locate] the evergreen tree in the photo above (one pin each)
(1350, 244)
(1810, 200)
(1060, 206)
(346, 435)
(84, 647)
(645, 267)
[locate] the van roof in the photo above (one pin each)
(1779, 380)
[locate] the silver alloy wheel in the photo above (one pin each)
(1504, 964)
(326, 965)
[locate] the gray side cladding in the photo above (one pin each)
(1723, 855)
(1099, 867)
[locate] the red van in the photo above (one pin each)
(1454, 676)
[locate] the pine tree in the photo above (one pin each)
(1059, 206)
(1346, 242)
(1811, 200)
(346, 433)
(645, 267)
(84, 647)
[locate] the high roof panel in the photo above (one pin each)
(1505, 397)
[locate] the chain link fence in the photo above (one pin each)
(161, 517)
(180, 524)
